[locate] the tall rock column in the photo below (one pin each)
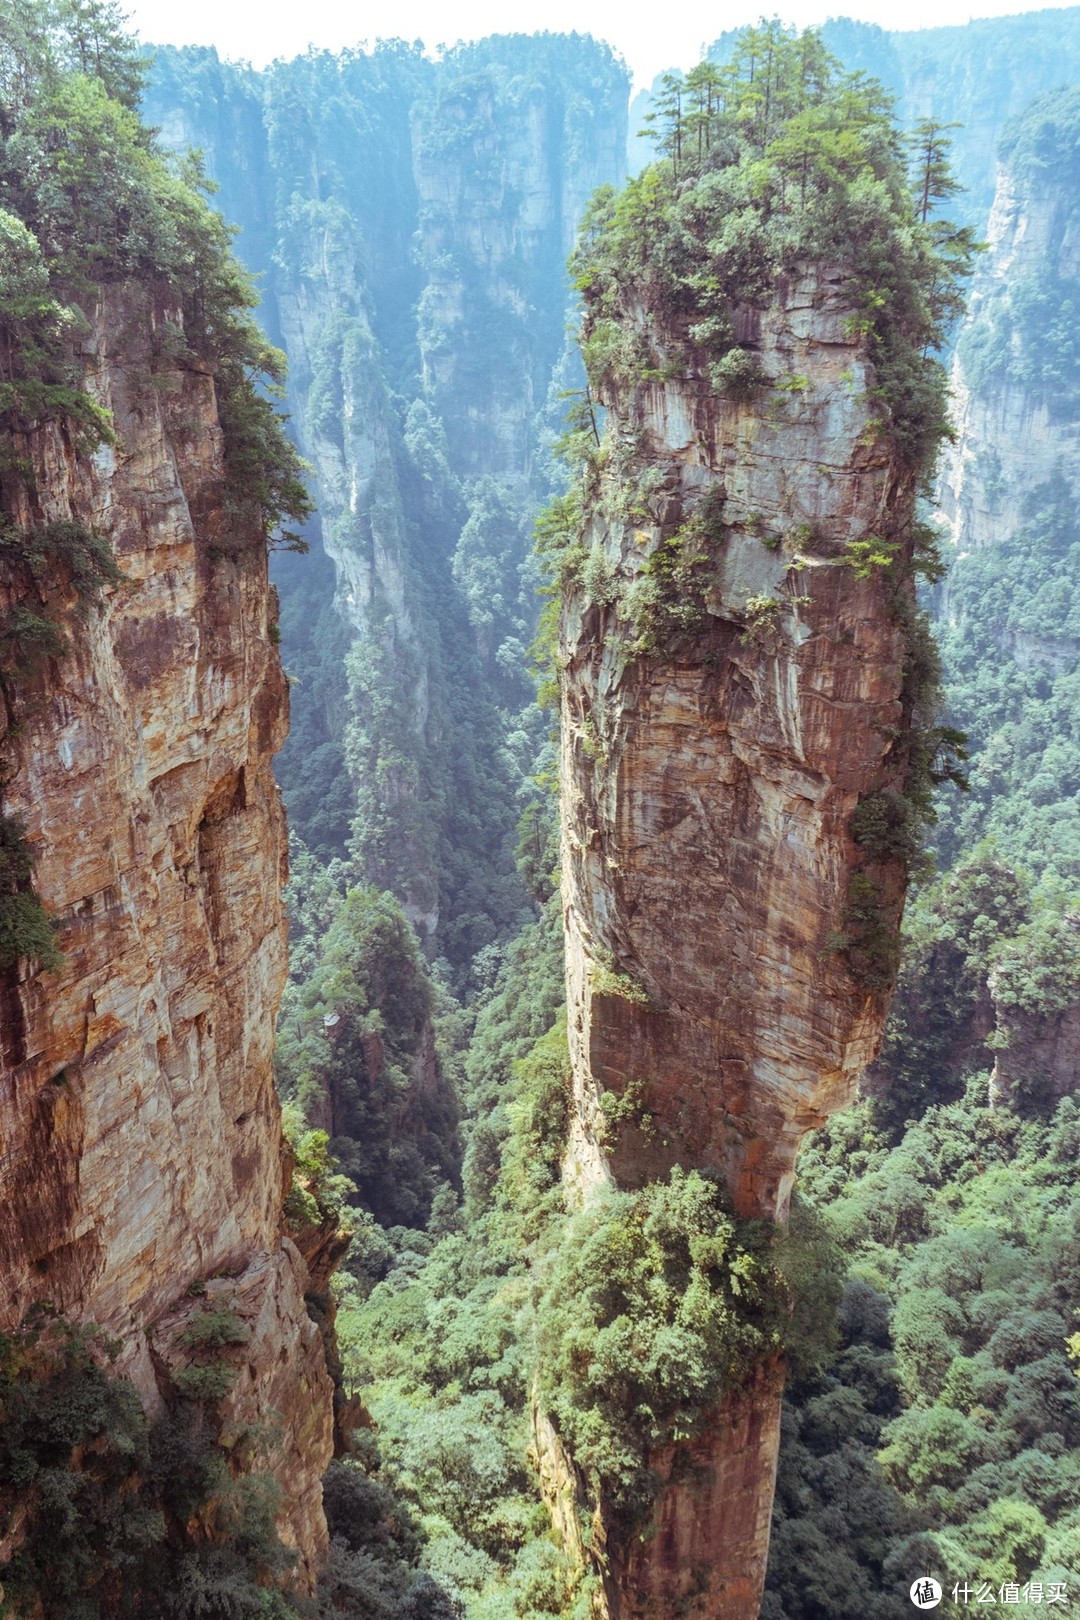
(732, 690)
(141, 1163)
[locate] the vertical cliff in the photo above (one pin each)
(711, 774)
(1009, 611)
(709, 785)
(142, 1169)
(737, 658)
(508, 151)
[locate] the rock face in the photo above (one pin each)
(1037, 1048)
(711, 765)
(1042, 1048)
(140, 1141)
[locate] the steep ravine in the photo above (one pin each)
(413, 219)
(141, 1159)
(711, 767)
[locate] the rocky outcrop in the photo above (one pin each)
(140, 1140)
(1042, 1054)
(712, 758)
(1037, 1039)
(708, 1547)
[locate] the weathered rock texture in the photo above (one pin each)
(140, 1142)
(708, 787)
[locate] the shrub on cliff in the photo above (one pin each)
(26, 931)
(654, 1305)
(776, 162)
(86, 198)
(101, 1504)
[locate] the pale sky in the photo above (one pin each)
(650, 36)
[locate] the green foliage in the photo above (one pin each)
(941, 1011)
(319, 1192)
(773, 160)
(762, 619)
(26, 933)
(868, 936)
(606, 980)
(371, 1068)
(1038, 970)
(738, 373)
(26, 930)
(371, 1573)
(36, 371)
(864, 557)
(538, 1119)
(1027, 330)
(887, 826)
(57, 1398)
(50, 557)
(652, 1306)
(1019, 710)
(104, 1503)
(210, 1382)
(431, 1324)
(945, 1434)
(86, 198)
(213, 1328)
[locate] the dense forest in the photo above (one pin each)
(411, 223)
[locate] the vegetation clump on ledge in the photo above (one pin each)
(772, 164)
(109, 1517)
(87, 199)
(652, 1306)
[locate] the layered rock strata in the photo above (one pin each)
(730, 693)
(140, 1140)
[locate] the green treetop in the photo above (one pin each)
(775, 161)
(87, 198)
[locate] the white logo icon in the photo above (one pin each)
(925, 1592)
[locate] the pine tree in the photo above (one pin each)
(932, 178)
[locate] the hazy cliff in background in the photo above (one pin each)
(412, 221)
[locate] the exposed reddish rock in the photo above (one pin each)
(140, 1140)
(709, 773)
